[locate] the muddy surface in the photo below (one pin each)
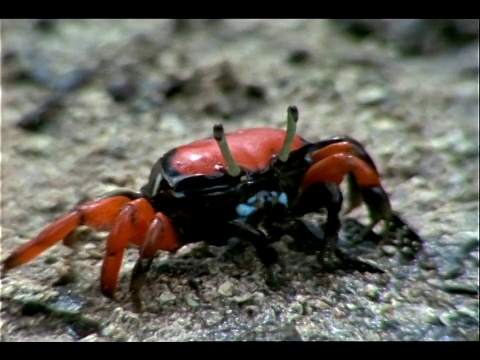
(89, 105)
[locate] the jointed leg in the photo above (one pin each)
(313, 199)
(130, 227)
(330, 165)
(161, 235)
(325, 241)
(344, 145)
(99, 215)
(349, 146)
(265, 252)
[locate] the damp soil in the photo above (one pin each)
(88, 106)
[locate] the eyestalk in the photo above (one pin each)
(232, 167)
(292, 118)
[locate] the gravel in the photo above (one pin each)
(156, 84)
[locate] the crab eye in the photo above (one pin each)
(245, 210)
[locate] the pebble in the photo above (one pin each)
(371, 291)
(191, 300)
(389, 249)
(166, 297)
(319, 304)
(243, 298)
(212, 318)
(268, 317)
(226, 289)
(296, 308)
(114, 332)
(66, 304)
(447, 317)
(371, 95)
(430, 316)
(337, 313)
(351, 307)
(259, 297)
(92, 338)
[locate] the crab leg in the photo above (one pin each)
(130, 226)
(99, 215)
(334, 167)
(344, 145)
(364, 180)
(161, 235)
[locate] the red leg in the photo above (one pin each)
(343, 147)
(364, 181)
(334, 167)
(347, 145)
(99, 214)
(161, 235)
(130, 226)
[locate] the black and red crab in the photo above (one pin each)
(256, 184)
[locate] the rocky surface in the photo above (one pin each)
(89, 105)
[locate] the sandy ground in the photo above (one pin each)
(157, 84)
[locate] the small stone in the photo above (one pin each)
(213, 318)
(351, 307)
(386, 309)
(447, 317)
(407, 251)
(319, 304)
(371, 291)
(267, 317)
(259, 297)
(430, 316)
(338, 313)
(389, 249)
(191, 300)
(181, 322)
(66, 304)
(92, 338)
(372, 95)
(226, 289)
(243, 298)
(166, 297)
(296, 308)
(114, 332)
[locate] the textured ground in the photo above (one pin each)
(410, 97)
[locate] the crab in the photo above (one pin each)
(257, 184)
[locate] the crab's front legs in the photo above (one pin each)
(160, 235)
(99, 215)
(333, 162)
(137, 224)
